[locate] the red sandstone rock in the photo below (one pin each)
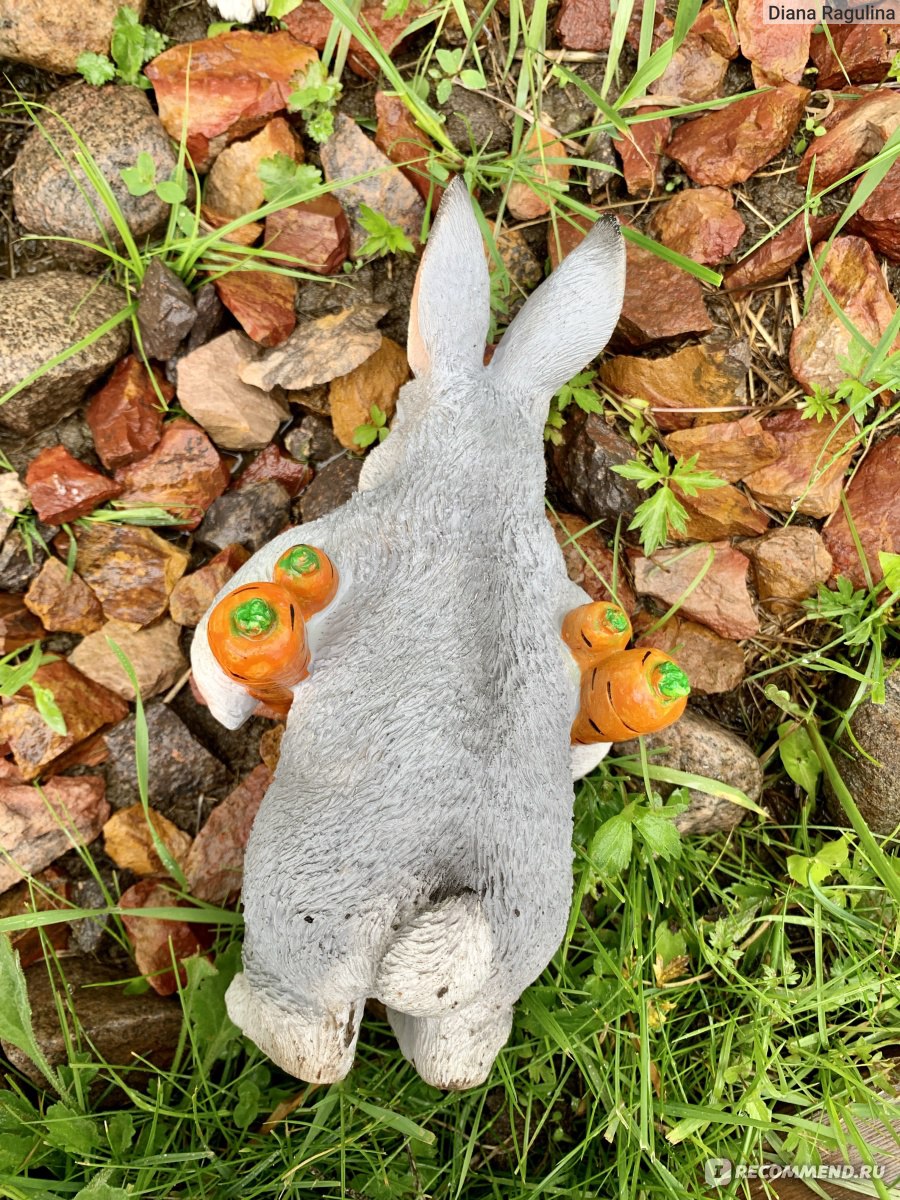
(234, 187)
(864, 52)
(587, 24)
(62, 488)
(215, 863)
(404, 143)
(237, 81)
(125, 416)
(862, 128)
(262, 302)
(720, 600)
(778, 52)
(822, 340)
(661, 301)
(775, 257)
(872, 500)
(701, 223)
(640, 153)
(18, 625)
(878, 221)
(543, 160)
(34, 826)
(696, 72)
(192, 595)
(157, 942)
(712, 664)
(715, 26)
(808, 475)
(315, 232)
(273, 463)
(63, 601)
(591, 563)
(727, 146)
(184, 474)
(730, 451)
(86, 708)
(719, 513)
(788, 564)
(311, 23)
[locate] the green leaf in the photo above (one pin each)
(450, 60)
(798, 757)
(15, 1010)
(133, 44)
(280, 8)
(443, 90)
(782, 699)
(283, 178)
(644, 476)
(378, 417)
(818, 867)
(659, 833)
(384, 238)
(655, 515)
(247, 1108)
(120, 1132)
(171, 192)
(97, 69)
(472, 79)
(141, 178)
(365, 435)
(218, 27)
(70, 1131)
(45, 703)
(890, 568)
(99, 1189)
(669, 944)
(612, 845)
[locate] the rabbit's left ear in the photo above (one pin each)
(450, 310)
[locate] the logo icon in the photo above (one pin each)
(717, 1172)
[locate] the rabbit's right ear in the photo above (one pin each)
(450, 310)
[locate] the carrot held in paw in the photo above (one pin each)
(631, 692)
(309, 575)
(594, 631)
(258, 638)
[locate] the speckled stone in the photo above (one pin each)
(116, 124)
(40, 316)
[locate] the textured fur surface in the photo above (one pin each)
(415, 844)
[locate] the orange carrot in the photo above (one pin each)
(309, 575)
(631, 692)
(594, 631)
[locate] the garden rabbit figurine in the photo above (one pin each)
(415, 844)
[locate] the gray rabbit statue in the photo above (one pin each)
(415, 843)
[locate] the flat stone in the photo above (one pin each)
(715, 24)
(821, 341)
(86, 709)
(318, 350)
(590, 562)
(333, 486)
(641, 153)
(262, 302)
(63, 601)
(210, 314)
(661, 301)
(154, 653)
(858, 132)
(182, 770)
(404, 143)
(872, 500)
(804, 478)
(62, 488)
(33, 835)
(156, 942)
(18, 626)
(125, 1030)
(862, 54)
(869, 761)
(730, 450)
(125, 417)
(684, 387)
(712, 664)
(778, 53)
(194, 593)
(234, 414)
(695, 73)
(720, 600)
(313, 440)
(128, 841)
(727, 146)
(237, 81)
(250, 515)
(347, 154)
(775, 257)
(166, 311)
(788, 564)
(49, 893)
(40, 317)
(315, 233)
(273, 463)
(719, 513)
(184, 474)
(700, 223)
(377, 381)
(583, 463)
(587, 24)
(699, 746)
(29, 34)
(215, 864)
(543, 160)
(233, 187)
(311, 22)
(878, 220)
(52, 195)
(20, 560)
(129, 568)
